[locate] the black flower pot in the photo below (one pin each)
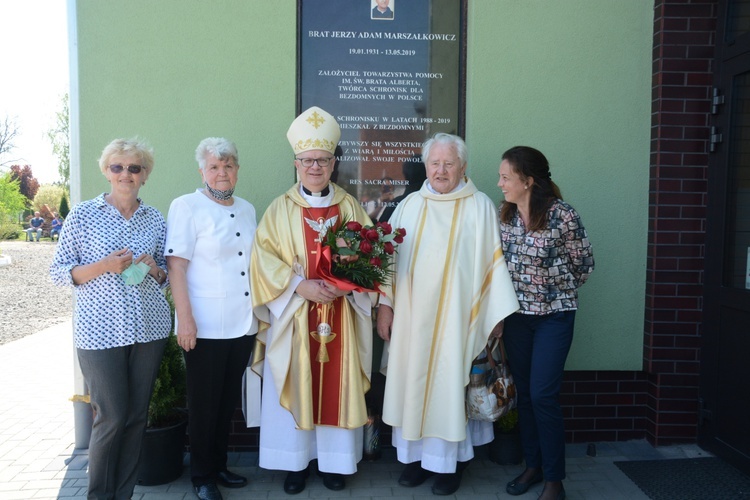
(162, 454)
(505, 449)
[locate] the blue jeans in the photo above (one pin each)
(537, 347)
(30, 232)
(120, 382)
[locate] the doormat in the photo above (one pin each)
(687, 479)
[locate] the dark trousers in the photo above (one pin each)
(120, 382)
(537, 347)
(214, 386)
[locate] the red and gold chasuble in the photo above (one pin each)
(327, 341)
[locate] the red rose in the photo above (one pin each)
(372, 234)
(363, 233)
(388, 247)
(353, 225)
(387, 228)
(365, 246)
(375, 261)
(401, 231)
(399, 239)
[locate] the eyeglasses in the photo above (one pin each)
(309, 162)
(133, 169)
(447, 164)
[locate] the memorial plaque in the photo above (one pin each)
(391, 73)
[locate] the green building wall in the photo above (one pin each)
(571, 78)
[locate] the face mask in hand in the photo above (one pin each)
(135, 273)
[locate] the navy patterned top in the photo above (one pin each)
(548, 266)
(109, 313)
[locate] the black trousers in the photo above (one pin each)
(214, 385)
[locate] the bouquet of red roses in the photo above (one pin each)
(356, 257)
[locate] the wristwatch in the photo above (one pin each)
(160, 276)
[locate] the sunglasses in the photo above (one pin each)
(133, 169)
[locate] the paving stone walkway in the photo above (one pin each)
(38, 458)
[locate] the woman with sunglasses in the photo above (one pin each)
(112, 254)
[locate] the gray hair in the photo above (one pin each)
(218, 147)
(446, 139)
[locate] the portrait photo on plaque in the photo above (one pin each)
(382, 9)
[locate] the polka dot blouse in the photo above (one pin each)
(109, 313)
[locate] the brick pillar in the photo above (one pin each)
(684, 40)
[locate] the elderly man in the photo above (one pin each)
(451, 287)
(35, 227)
(313, 404)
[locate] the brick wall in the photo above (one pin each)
(604, 405)
(684, 39)
(240, 437)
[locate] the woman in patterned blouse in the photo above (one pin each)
(112, 253)
(549, 256)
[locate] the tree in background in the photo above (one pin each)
(49, 195)
(26, 181)
(8, 132)
(12, 201)
(12, 204)
(59, 136)
(64, 208)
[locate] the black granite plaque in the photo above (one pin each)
(391, 74)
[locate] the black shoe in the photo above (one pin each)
(560, 494)
(516, 487)
(332, 481)
(207, 491)
(447, 484)
(231, 480)
(414, 475)
(295, 481)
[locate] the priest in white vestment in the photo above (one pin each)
(314, 380)
(450, 288)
